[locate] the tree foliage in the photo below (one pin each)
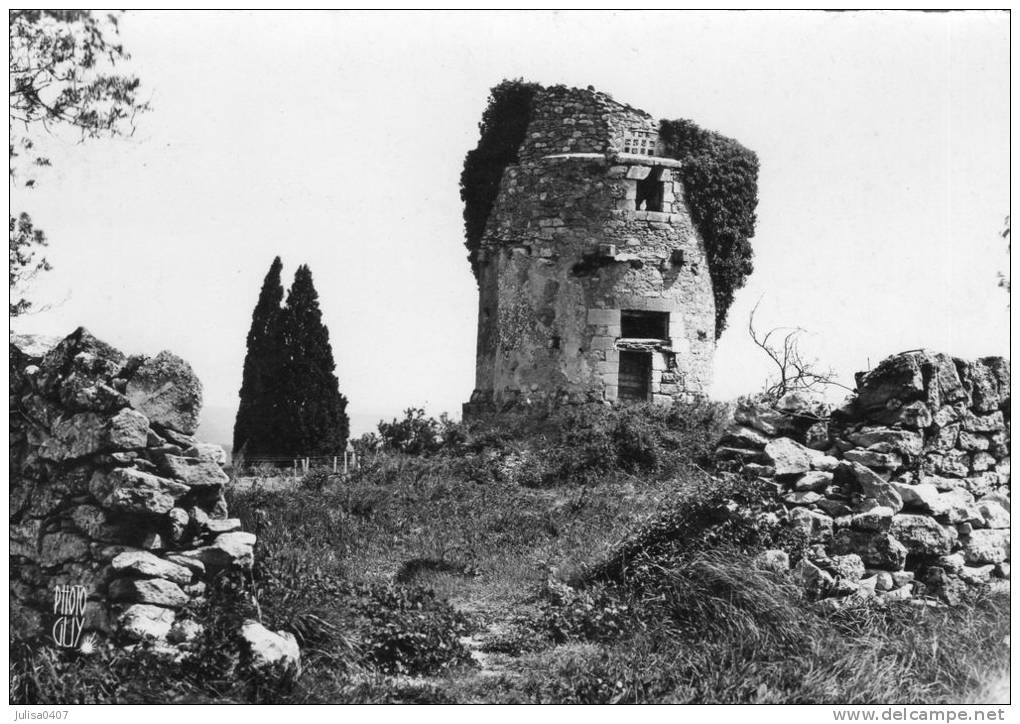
(26, 240)
(502, 129)
(312, 411)
(721, 191)
(290, 400)
(62, 77)
(253, 427)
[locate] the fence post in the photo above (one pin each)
(334, 463)
(295, 469)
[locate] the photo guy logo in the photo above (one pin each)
(69, 605)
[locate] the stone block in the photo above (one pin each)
(604, 316)
(602, 343)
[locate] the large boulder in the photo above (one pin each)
(874, 459)
(154, 591)
(264, 648)
(72, 371)
(907, 442)
(88, 433)
(771, 422)
(877, 550)
(193, 472)
(129, 490)
(815, 582)
(166, 390)
(207, 452)
(895, 378)
(870, 484)
(994, 515)
(987, 379)
(61, 547)
(921, 535)
(742, 436)
(145, 564)
(146, 622)
(815, 480)
(788, 457)
(816, 526)
(33, 346)
(228, 550)
(923, 496)
(986, 546)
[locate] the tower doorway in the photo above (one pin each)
(635, 376)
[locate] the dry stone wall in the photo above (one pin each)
(903, 491)
(117, 516)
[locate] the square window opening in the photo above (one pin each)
(637, 324)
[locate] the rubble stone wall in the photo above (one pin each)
(904, 490)
(566, 249)
(117, 515)
(571, 120)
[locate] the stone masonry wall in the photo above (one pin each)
(571, 120)
(117, 513)
(565, 250)
(905, 490)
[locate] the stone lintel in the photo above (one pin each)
(631, 159)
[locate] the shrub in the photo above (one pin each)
(580, 443)
(406, 630)
(315, 479)
(594, 614)
(416, 434)
(707, 513)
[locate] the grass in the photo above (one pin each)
(572, 557)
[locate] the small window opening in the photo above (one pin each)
(635, 377)
(554, 343)
(635, 324)
(650, 191)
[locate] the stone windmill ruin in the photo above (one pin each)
(593, 280)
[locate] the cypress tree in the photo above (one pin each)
(313, 413)
(256, 414)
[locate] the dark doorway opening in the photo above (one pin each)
(637, 324)
(635, 376)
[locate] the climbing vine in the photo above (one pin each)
(721, 188)
(503, 126)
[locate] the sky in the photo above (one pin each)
(336, 139)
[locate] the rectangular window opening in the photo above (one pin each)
(650, 191)
(637, 324)
(635, 378)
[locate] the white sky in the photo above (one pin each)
(337, 140)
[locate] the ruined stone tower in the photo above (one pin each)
(593, 283)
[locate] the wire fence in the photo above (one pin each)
(342, 464)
